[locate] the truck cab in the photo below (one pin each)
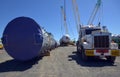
(95, 41)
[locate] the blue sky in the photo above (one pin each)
(47, 13)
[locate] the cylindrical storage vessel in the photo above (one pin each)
(23, 39)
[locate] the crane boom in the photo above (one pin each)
(92, 17)
(76, 14)
(64, 18)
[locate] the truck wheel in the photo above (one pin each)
(78, 50)
(111, 59)
(84, 57)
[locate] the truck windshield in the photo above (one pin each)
(89, 31)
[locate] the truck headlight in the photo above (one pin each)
(114, 46)
(87, 45)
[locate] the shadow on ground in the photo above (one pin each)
(90, 63)
(13, 65)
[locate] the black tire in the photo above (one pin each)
(111, 59)
(84, 57)
(77, 47)
(78, 50)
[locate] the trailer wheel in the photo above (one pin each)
(78, 50)
(84, 57)
(111, 59)
(77, 44)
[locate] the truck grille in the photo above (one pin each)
(101, 41)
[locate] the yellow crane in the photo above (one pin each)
(95, 10)
(64, 19)
(77, 16)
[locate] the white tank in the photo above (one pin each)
(65, 39)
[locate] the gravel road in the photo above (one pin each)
(62, 62)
